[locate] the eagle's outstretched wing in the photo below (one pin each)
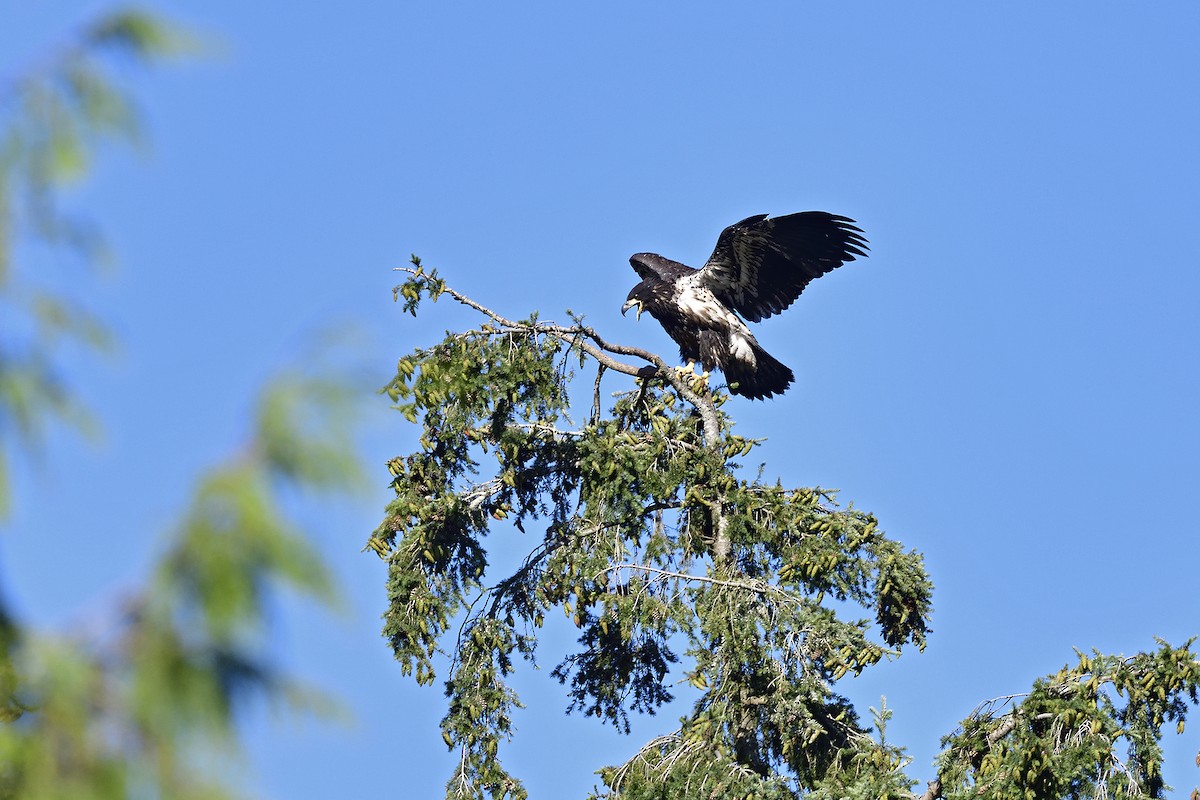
(762, 264)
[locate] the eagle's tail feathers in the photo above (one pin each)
(765, 378)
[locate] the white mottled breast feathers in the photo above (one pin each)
(703, 308)
(701, 304)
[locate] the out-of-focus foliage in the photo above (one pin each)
(54, 116)
(131, 706)
(675, 562)
(140, 701)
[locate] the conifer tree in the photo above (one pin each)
(645, 527)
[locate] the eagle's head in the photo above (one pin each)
(658, 274)
(633, 302)
(638, 297)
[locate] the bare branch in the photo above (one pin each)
(933, 790)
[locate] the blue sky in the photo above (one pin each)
(1009, 381)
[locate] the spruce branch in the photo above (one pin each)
(602, 350)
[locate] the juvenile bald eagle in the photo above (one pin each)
(759, 267)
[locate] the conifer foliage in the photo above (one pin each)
(641, 523)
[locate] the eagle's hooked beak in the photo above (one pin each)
(633, 304)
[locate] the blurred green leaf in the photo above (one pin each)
(145, 35)
(298, 403)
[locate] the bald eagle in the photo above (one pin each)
(758, 268)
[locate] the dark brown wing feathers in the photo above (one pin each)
(761, 264)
